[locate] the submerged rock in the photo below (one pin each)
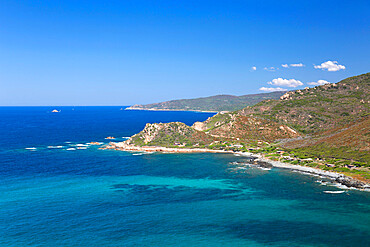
(263, 163)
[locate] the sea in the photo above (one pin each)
(56, 189)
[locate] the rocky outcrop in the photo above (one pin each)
(350, 182)
(150, 132)
(199, 126)
(262, 163)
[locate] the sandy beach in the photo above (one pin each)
(124, 147)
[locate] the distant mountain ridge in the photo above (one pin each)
(215, 103)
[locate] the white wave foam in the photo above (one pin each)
(55, 146)
(243, 165)
(70, 149)
(264, 168)
(322, 182)
(95, 143)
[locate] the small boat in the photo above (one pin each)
(33, 148)
(55, 110)
(334, 192)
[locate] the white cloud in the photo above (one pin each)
(293, 65)
(270, 68)
(296, 65)
(285, 82)
(318, 83)
(254, 68)
(330, 66)
(272, 89)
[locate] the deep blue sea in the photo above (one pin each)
(54, 194)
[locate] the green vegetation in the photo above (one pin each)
(358, 157)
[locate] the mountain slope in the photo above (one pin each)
(321, 108)
(330, 121)
(245, 128)
(213, 103)
(350, 142)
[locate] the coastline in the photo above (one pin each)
(124, 147)
(155, 109)
(346, 181)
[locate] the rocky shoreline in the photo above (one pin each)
(258, 159)
(344, 180)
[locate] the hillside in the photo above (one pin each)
(170, 135)
(329, 123)
(330, 120)
(247, 129)
(350, 142)
(214, 103)
(318, 109)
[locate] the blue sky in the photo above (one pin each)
(127, 52)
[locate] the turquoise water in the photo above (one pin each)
(92, 197)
